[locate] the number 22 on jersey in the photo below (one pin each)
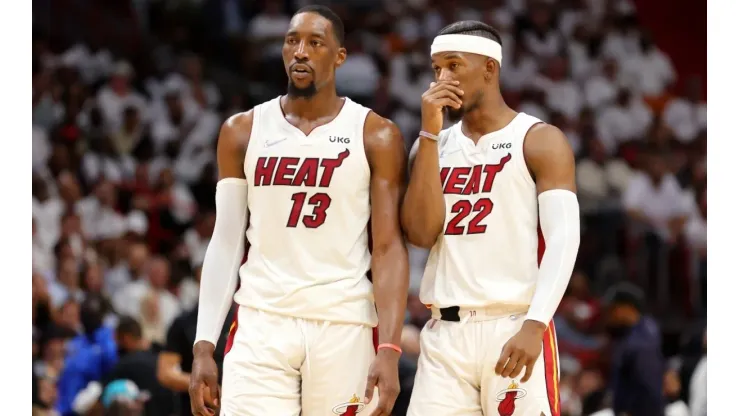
(467, 180)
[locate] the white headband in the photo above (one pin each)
(467, 44)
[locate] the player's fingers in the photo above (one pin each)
(505, 353)
(214, 390)
(385, 405)
(514, 359)
(442, 94)
(518, 369)
(452, 88)
(196, 399)
(372, 380)
(528, 371)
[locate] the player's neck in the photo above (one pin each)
(324, 103)
(491, 115)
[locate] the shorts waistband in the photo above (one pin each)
(459, 314)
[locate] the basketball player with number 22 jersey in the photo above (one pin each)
(478, 195)
(317, 174)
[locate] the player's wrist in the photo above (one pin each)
(431, 129)
(203, 348)
(534, 327)
(389, 349)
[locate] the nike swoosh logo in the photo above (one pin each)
(274, 142)
(442, 155)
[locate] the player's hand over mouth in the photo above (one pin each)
(384, 375)
(439, 95)
(522, 350)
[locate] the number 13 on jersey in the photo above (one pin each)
(320, 203)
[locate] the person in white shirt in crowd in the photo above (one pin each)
(542, 39)
(654, 199)
(268, 28)
(131, 269)
(358, 77)
(686, 116)
(191, 81)
(100, 219)
(622, 39)
(657, 208)
(130, 300)
(629, 118)
(118, 94)
(561, 92)
(197, 237)
(600, 179)
(520, 70)
(601, 89)
(651, 69)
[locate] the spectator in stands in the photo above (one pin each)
(686, 116)
(138, 363)
(650, 68)
(637, 366)
(91, 355)
(576, 320)
(162, 305)
(118, 95)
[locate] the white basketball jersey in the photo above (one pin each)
(309, 208)
(487, 254)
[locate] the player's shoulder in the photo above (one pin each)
(380, 131)
(543, 137)
(243, 122)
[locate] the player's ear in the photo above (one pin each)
(341, 57)
(492, 68)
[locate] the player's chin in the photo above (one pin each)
(454, 114)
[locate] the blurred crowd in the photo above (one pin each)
(128, 98)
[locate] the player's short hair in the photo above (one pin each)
(327, 13)
(473, 28)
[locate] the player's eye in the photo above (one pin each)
(454, 65)
(315, 43)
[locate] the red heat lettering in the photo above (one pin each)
(329, 165)
(292, 171)
(492, 170)
(285, 171)
(264, 170)
(307, 173)
(458, 177)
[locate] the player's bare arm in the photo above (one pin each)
(390, 269)
(222, 260)
(423, 212)
(550, 159)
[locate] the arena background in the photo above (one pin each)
(128, 96)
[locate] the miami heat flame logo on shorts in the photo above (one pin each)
(507, 399)
(351, 408)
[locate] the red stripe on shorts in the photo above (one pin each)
(550, 355)
(232, 332)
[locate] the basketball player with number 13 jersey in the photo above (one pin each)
(314, 171)
(478, 194)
